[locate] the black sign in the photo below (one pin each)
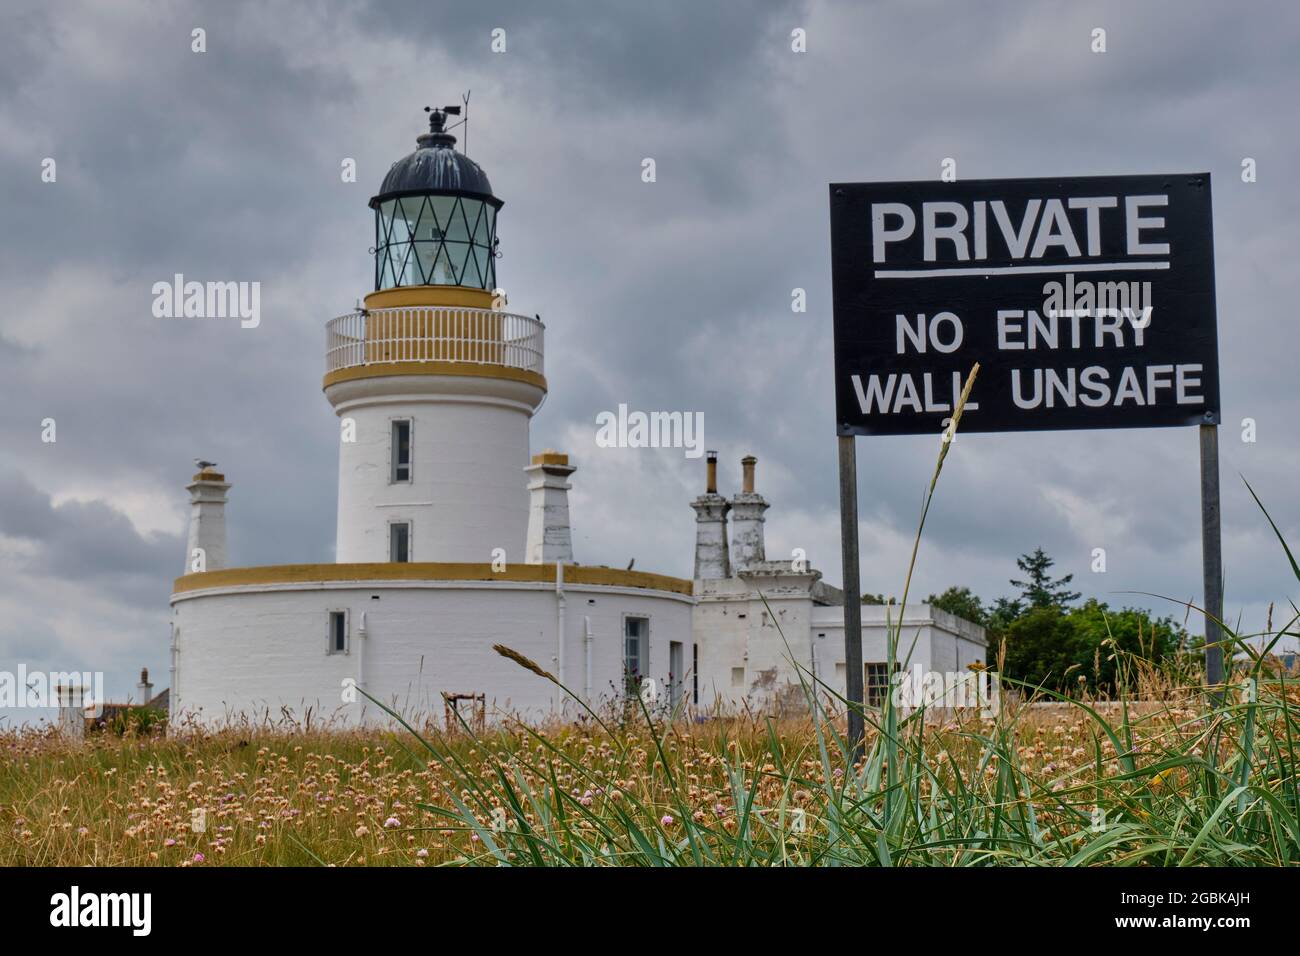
(1089, 303)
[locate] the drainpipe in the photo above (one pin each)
(586, 647)
(559, 633)
(174, 697)
(361, 655)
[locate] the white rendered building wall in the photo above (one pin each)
(930, 638)
(740, 645)
(253, 649)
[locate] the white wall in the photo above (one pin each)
(746, 645)
(252, 649)
(468, 494)
(929, 638)
(735, 629)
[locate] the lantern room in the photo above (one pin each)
(435, 217)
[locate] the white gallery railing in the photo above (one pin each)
(434, 334)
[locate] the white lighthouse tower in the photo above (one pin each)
(434, 385)
(452, 538)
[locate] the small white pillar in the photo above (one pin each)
(144, 689)
(207, 520)
(72, 711)
(747, 507)
(711, 556)
(549, 537)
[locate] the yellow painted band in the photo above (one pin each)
(393, 571)
(475, 369)
(450, 296)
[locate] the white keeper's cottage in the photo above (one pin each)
(452, 537)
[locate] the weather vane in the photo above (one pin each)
(438, 120)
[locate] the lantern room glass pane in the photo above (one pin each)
(433, 223)
(424, 256)
(405, 215)
(477, 221)
(384, 222)
(458, 253)
(483, 258)
(387, 274)
(435, 240)
(442, 272)
(458, 227)
(442, 213)
(405, 264)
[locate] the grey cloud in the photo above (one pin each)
(671, 296)
(88, 542)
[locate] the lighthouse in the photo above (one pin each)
(455, 541)
(433, 381)
(452, 537)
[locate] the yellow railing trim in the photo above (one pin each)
(574, 574)
(434, 296)
(433, 367)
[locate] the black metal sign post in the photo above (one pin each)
(1087, 302)
(1212, 556)
(853, 674)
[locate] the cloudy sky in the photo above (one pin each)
(675, 295)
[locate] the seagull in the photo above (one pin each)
(204, 465)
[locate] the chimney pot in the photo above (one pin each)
(207, 520)
(549, 538)
(144, 688)
(747, 507)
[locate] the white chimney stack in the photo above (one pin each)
(144, 689)
(747, 520)
(72, 710)
(711, 557)
(549, 537)
(207, 543)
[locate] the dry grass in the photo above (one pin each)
(377, 798)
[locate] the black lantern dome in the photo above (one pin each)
(435, 217)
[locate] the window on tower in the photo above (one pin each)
(401, 470)
(399, 541)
